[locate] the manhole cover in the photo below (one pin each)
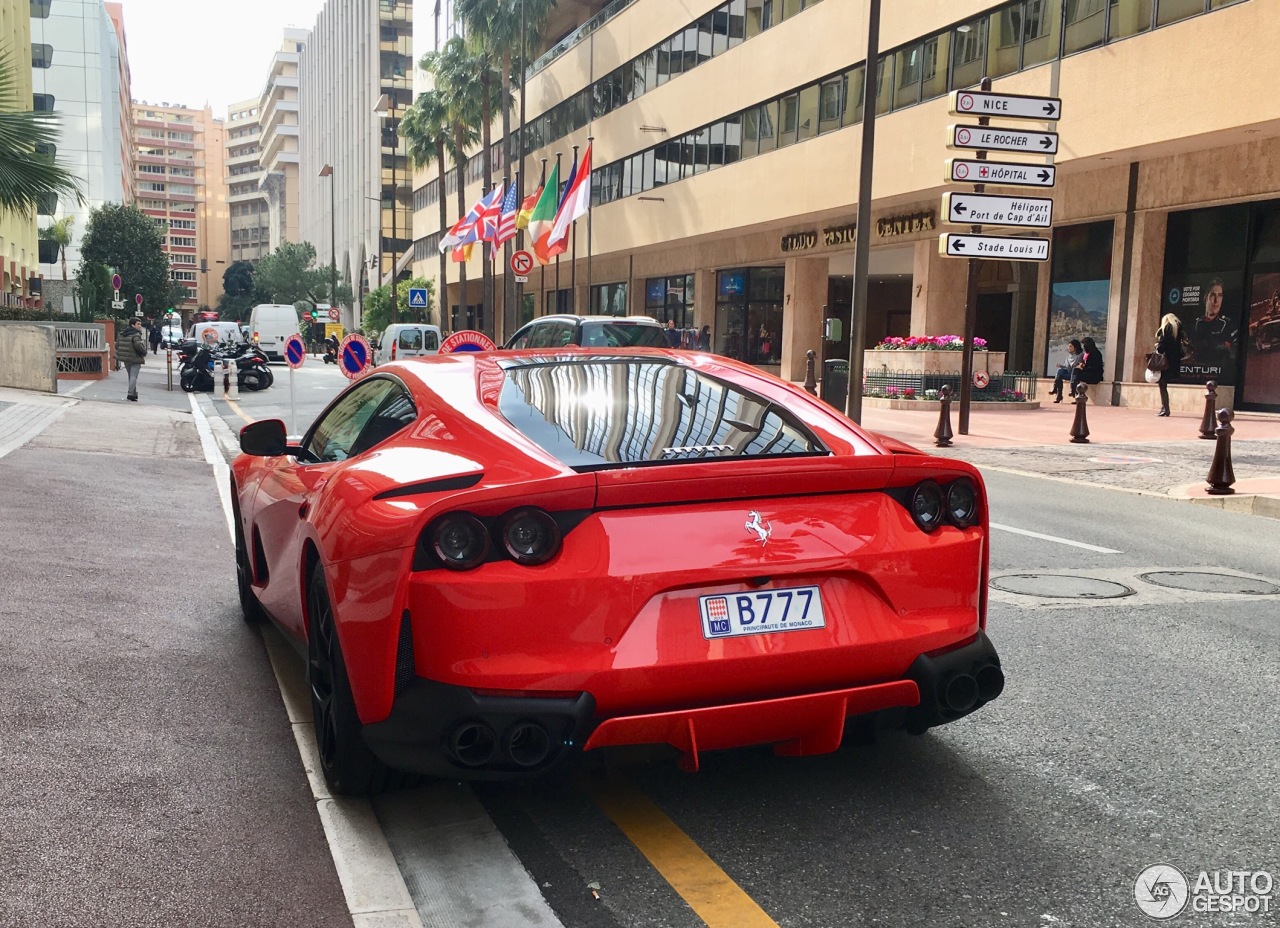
(1206, 582)
(1059, 586)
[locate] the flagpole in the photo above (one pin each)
(557, 194)
(518, 310)
(590, 139)
(573, 258)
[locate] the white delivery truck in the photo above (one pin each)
(270, 325)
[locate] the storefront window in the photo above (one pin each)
(609, 299)
(1080, 290)
(670, 299)
(557, 301)
(749, 314)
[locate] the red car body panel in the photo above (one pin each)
(616, 612)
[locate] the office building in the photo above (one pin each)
(180, 154)
(18, 250)
(726, 176)
(247, 205)
(359, 53)
(278, 116)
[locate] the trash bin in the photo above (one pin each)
(835, 382)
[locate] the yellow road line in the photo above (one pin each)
(710, 892)
(235, 407)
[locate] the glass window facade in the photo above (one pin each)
(670, 299)
(749, 314)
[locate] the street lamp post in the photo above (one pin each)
(386, 106)
(327, 171)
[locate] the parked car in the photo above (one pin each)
(494, 561)
(171, 335)
(270, 325)
(559, 331)
(407, 340)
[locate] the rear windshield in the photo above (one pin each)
(623, 335)
(599, 414)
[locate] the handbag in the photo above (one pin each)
(1152, 376)
(1156, 361)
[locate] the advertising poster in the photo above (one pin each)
(1262, 343)
(1209, 306)
(1076, 309)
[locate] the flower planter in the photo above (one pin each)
(880, 361)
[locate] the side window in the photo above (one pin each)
(395, 412)
(542, 335)
(334, 435)
(593, 336)
(523, 338)
(431, 341)
(563, 335)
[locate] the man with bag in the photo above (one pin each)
(131, 351)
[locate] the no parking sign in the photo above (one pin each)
(981, 379)
(353, 356)
(466, 340)
(295, 352)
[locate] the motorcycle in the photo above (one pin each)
(252, 370)
(331, 350)
(200, 368)
(196, 375)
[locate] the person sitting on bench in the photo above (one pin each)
(1089, 369)
(1067, 369)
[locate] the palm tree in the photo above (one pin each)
(28, 175)
(428, 135)
(59, 232)
(454, 69)
(501, 31)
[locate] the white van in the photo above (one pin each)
(407, 340)
(270, 325)
(217, 332)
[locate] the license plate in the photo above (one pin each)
(761, 611)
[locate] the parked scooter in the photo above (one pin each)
(199, 372)
(331, 345)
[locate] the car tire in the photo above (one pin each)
(349, 767)
(253, 612)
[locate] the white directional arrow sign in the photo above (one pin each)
(1001, 173)
(1007, 105)
(997, 138)
(1000, 247)
(988, 210)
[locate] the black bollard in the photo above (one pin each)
(810, 382)
(1221, 473)
(942, 434)
(1206, 424)
(1080, 427)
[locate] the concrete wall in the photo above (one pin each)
(28, 358)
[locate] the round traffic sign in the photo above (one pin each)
(115, 281)
(334, 315)
(521, 262)
(962, 136)
(295, 352)
(965, 102)
(353, 356)
(466, 340)
(138, 299)
(981, 379)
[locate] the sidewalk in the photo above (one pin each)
(1129, 449)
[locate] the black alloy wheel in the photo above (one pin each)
(249, 605)
(349, 767)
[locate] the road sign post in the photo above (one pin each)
(980, 208)
(1001, 173)
(1002, 247)
(138, 299)
(521, 263)
(353, 356)
(1004, 105)
(417, 297)
(295, 353)
(998, 138)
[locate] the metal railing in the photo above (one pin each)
(78, 337)
(576, 36)
(1008, 386)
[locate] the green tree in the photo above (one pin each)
(288, 275)
(240, 292)
(237, 279)
(427, 133)
(454, 69)
(377, 306)
(29, 176)
(59, 232)
(128, 241)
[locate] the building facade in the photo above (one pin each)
(84, 81)
(355, 78)
(247, 204)
(278, 111)
(19, 255)
(726, 175)
(180, 154)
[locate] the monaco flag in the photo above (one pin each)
(576, 202)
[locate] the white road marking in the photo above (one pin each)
(1054, 538)
(375, 890)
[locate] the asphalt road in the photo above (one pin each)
(1133, 731)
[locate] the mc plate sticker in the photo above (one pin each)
(761, 611)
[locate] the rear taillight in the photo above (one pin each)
(393, 351)
(927, 505)
(527, 535)
(459, 540)
(530, 536)
(933, 505)
(962, 502)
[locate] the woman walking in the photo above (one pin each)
(1169, 344)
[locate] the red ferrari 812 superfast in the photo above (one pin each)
(495, 561)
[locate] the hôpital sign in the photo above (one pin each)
(1000, 173)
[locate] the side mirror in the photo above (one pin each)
(265, 439)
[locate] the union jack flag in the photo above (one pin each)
(489, 213)
(507, 222)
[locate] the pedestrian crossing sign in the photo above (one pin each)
(418, 297)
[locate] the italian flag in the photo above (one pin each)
(543, 217)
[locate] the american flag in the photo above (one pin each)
(489, 212)
(507, 222)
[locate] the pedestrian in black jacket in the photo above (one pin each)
(1089, 369)
(131, 351)
(1169, 343)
